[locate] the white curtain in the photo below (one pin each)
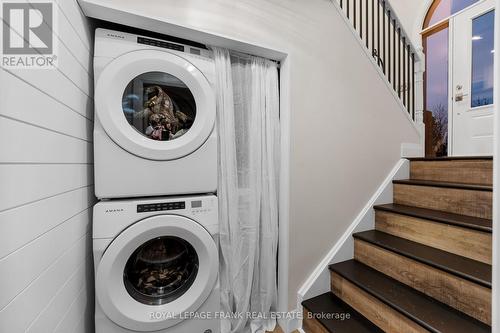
(248, 126)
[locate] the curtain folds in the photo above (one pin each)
(248, 128)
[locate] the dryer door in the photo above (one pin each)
(155, 104)
(156, 270)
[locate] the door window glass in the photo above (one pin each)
(436, 82)
(483, 53)
(161, 270)
(159, 106)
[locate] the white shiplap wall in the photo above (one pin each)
(46, 187)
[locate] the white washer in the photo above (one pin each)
(156, 261)
(154, 130)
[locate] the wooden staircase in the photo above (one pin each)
(427, 265)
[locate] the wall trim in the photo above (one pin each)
(318, 282)
(284, 188)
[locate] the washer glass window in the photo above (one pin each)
(161, 270)
(159, 106)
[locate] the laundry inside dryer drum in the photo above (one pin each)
(159, 106)
(161, 270)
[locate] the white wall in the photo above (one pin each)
(346, 128)
(46, 188)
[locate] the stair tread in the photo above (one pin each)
(330, 304)
(451, 158)
(465, 268)
(431, 183)
(470, 222)
(426, 311)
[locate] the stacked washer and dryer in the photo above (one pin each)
(155, 229)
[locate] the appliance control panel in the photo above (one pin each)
(161, 206)
(160, 43)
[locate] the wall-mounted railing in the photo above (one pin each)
(376, 23)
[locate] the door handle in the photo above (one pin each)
(460, 97)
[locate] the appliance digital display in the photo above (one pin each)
(160, 206)
(196, 204)
(160, 43)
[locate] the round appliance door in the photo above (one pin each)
(155, 104)
(156, 270)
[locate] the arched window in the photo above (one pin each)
(435, 39)
(443, 9)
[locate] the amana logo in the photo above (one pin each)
(114, 210)
(115, 36)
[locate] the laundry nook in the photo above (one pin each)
(238, 166)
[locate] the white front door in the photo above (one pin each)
(471, 80)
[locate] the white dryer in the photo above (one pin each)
(154, 131)
(156, 265)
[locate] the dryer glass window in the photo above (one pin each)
(161, 270)
(159, 106)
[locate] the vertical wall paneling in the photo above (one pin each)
(46, 186)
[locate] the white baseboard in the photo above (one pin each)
(319, 281)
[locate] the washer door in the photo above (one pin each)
(154, 271)
(155, 104)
